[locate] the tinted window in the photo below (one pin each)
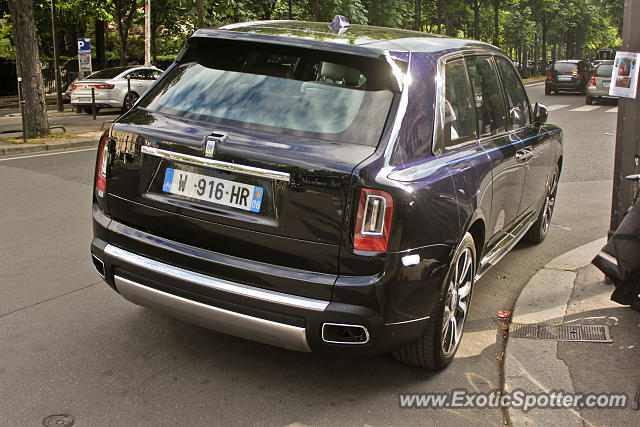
(487, 95)
(565, 67)
(137, 74)
(109, 73)
(304, 94)
(455, 111)
(604, 70)
(516, 95)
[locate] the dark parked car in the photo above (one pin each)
(324, 189)
(568, 75)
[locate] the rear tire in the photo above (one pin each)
(547, 90)
(540, 228)
(437, 346)
(589, 100)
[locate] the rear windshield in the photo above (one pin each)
(604, 70)
(275, 89)
(565, 67)
(109, 73)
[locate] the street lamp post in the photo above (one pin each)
(147, 32)
(54, 32)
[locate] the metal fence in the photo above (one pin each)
(49, 79)
(9, 84)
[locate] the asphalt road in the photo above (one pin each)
(70, 345)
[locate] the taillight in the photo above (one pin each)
(581, 76)
(103, 86)
(592, 81)
(101, 167)
(549, 75)
(373, 221)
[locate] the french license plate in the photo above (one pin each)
(606, 84)
(564, 78)
(84, 100)
(216, 190)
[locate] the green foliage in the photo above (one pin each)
(576, 27)
(7, 49)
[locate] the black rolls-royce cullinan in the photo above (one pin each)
(324, 187)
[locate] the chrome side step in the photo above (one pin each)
(505, 244)
(218, 319)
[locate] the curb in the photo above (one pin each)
(533, 365)
(35, 148)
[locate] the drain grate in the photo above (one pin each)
(540, 331)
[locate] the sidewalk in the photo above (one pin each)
(570, 291)
(82, 131)
(85, 139)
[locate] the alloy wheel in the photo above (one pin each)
(549, 203)
(456, 304)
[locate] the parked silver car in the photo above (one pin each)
(110, 86)
(599, 83)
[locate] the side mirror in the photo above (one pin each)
(540, 114)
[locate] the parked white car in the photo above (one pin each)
(110, 86)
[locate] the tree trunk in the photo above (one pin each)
(418, 15)
(535, 55)
(315, 10)
(201, 13)
(124, 25)
(154, 48)
(29, 68)
(496, 27)
(448, 21)
(101, 59)
(476, 19)
(545, 28)
(439, 13)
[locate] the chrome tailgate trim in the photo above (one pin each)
(216, 164)
(218, 319)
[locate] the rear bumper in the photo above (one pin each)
(102, 100)
(577, 85)
(600, 93)
(263, 315)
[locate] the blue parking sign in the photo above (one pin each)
(84, 46)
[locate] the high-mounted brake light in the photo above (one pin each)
(373, 221)
(101, 167)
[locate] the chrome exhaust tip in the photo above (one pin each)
(340, 333)
(99, 266)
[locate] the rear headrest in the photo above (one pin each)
(274, 70)
(337, 72)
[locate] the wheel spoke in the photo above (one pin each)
(465, 268)
(463, 306)
(446, 319)
(464, 290)
(454, 334)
